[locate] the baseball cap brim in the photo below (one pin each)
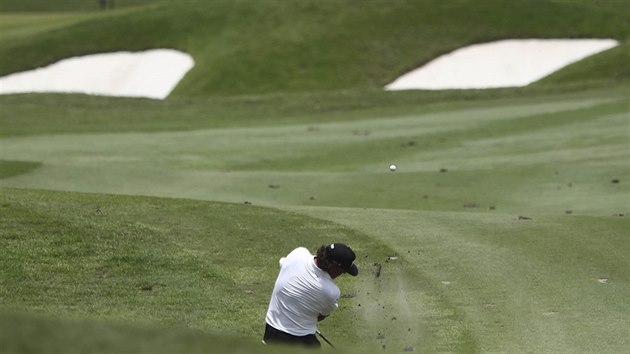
(353, 270)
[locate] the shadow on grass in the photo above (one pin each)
(14, 168)
(29, 333)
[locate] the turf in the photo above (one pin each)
(177, 263)
(254, 47)
(156, 226)
(552, 157)
(56, 335)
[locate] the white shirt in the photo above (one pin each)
(302, 292)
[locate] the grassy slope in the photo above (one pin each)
(65, 6)
(288, 46)
(474, 281)
(208, 265)
(537, 283)
(56, 335)
(556, 156)
(515, 285)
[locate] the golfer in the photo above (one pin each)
(305, 293)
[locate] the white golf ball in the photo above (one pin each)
(392, 167)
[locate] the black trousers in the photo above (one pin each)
(274, 336)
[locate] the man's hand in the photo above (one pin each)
(321, 318)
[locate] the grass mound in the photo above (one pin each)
(255, 47)
(177, 263)
(22, 333)
(503, 229)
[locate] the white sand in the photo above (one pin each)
(155, 73)
(151, 74)
(506, 63)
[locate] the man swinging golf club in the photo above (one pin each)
(304, 293)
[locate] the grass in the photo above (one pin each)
(64, 6)
(468, 274)
(14, 168)
(550, 157)
(134, 225)
(60, 114)
(54, 334)
(178, 263)
(261, 47)
(514, 285)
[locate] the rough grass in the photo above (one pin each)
(177, 263)
(43, 114)
(258, 47)
(64, 6)
(468, 273)
(27, 333)
(503, 230)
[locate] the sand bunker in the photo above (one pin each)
(506, 63)
(155, 73)
(151, 74)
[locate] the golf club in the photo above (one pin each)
(324, 338)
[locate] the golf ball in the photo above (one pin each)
(392, 167)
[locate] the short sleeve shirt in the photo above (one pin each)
(301, 293)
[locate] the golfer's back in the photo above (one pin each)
(302, 292)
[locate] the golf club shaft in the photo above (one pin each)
(324, 338)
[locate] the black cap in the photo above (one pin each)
(343, 256)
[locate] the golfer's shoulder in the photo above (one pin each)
(295, 257)
(299, 252)
(330, 290)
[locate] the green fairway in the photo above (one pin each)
(557, 155)
(509, 285)
(136, 225)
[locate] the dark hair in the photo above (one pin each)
(322, 258)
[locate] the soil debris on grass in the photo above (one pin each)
(409, 349)
(616, 180)
(568, 212)
(443, 170)
(358, 132)
(524, 217)
(274, 186)
(377, 271)
(410, 143)
(146, 288)
(602, 280)
(471, 205)
(248, 292)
